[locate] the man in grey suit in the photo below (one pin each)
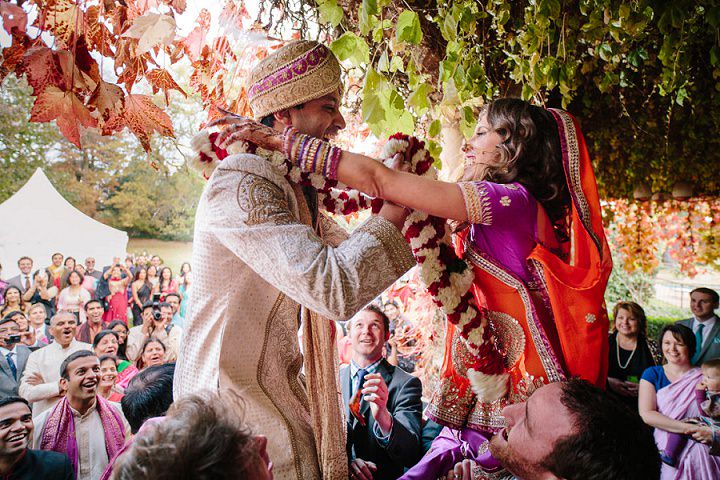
(384, 432)
(704, 324)
(24, 280)
(13, 357)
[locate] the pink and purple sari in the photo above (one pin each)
(58, 433)
(677, 401)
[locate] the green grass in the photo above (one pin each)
(660, 314)
(173, 254)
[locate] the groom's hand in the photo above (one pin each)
(238, 128)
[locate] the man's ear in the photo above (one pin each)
(64, 384)
(283, 116)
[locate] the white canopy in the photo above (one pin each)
(37, 222)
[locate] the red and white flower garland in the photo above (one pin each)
(447, 277)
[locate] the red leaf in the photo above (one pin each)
(160, 79)
(12, 59)
(109, 101)
(42, 68)
(66, 109)
(14, 18)
(195, 41)
(143, 117)
(62, 18)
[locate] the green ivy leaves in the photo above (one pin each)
(351, 47)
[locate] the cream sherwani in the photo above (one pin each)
(46, 361)
(258, 268)
(90, 438)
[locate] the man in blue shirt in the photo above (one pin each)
(385, 429)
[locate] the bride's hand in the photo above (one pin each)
(237, 128)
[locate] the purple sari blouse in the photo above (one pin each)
(504, 223)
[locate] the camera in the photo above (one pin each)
(156, 307)
(14, 339)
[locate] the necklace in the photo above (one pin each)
(617, 351)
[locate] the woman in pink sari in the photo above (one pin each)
(667, 396)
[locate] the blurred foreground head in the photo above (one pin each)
(203, 437)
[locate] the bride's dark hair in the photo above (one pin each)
(530, 154)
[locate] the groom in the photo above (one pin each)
(266, 262)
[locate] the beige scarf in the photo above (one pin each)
(321, 369)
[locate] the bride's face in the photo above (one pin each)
(481, 148)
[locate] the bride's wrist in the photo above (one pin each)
(311, 154)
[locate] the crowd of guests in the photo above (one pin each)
(73, 338)
(87, 359)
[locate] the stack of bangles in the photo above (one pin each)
(311, 154)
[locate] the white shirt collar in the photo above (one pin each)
(709, 323)
(5, 351)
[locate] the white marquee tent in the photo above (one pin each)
(37, 222)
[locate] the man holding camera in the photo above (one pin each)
(157, 318)
(13, 356)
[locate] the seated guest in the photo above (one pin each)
(12, 301)
(94, 321)
(83, 425)
(119, 327)
(160, 327)
(107, 342)
(108, 377)
(40, 384)
(73, 296)
(704, 324)
(174, 300)
(17, 460)
(568, 430)
(384, 432)
(152, 352)
(36, 318)
(13, 356)
(186, 441)
(149, 394)
(707, 400)
(667, 396)
(630, 352)
(42, 291)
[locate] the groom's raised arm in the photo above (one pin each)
(252, 215)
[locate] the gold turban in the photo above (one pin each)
(298, 72)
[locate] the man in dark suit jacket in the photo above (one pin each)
(24, 280)
(17, 461)
(387, 437)
(704, 324)
(13, 357)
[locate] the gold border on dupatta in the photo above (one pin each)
(551, 368)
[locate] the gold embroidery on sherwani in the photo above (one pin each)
(279, 340)
(262, 201)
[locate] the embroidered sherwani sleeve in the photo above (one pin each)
(252, 216)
